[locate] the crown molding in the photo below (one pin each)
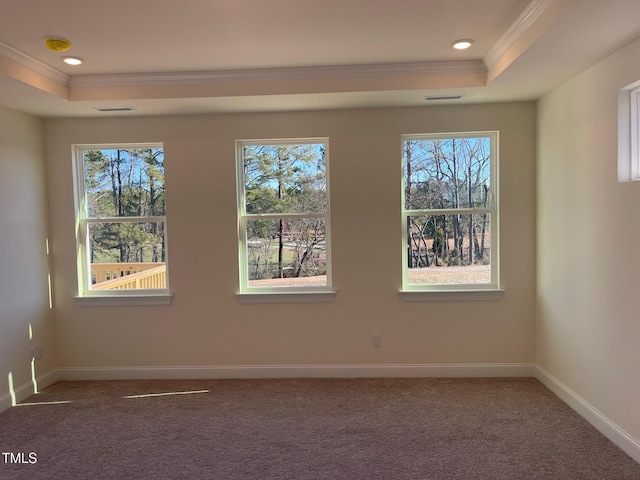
(245, 75)
(31, 63)
(293, 73)
(524, 22)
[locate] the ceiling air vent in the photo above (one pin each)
(435, 98)
(115, 109)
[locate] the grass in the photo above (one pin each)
(475, 274)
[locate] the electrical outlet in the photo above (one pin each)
(376, 340)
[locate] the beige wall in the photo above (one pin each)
(588, 325)
(206, 325)
(24, 299)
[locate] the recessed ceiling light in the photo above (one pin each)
(72, 60)
(462, 44)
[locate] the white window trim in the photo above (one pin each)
(453, 295)
(629, 133)
(455, 291)
(85, 296)
(124, 300)
(634, 133)
(311, 294)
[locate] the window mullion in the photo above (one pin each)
(449, 211)
(125, 219)
(262, 216)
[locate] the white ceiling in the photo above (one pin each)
(196, 56)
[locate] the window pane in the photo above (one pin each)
(124, 183)
(447, 173)
(127, 255)
(446, 249)
(286, 252)
(288, 178)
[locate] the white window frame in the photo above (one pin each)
(280, 294)
(455, 291)
(85, 295)
(629, 133)
(635, 133)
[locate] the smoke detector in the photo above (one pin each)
(57, 44)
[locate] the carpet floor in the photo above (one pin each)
(302, 429)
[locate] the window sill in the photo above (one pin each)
(451, 295)
(287, 297)
(124, 300)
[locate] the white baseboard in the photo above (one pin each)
(609, 429)
(267, 371)
(23, 392)
(298, 371)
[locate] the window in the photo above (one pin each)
(450, 212)
(121, 220)
(283, 205)
(629, 133)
